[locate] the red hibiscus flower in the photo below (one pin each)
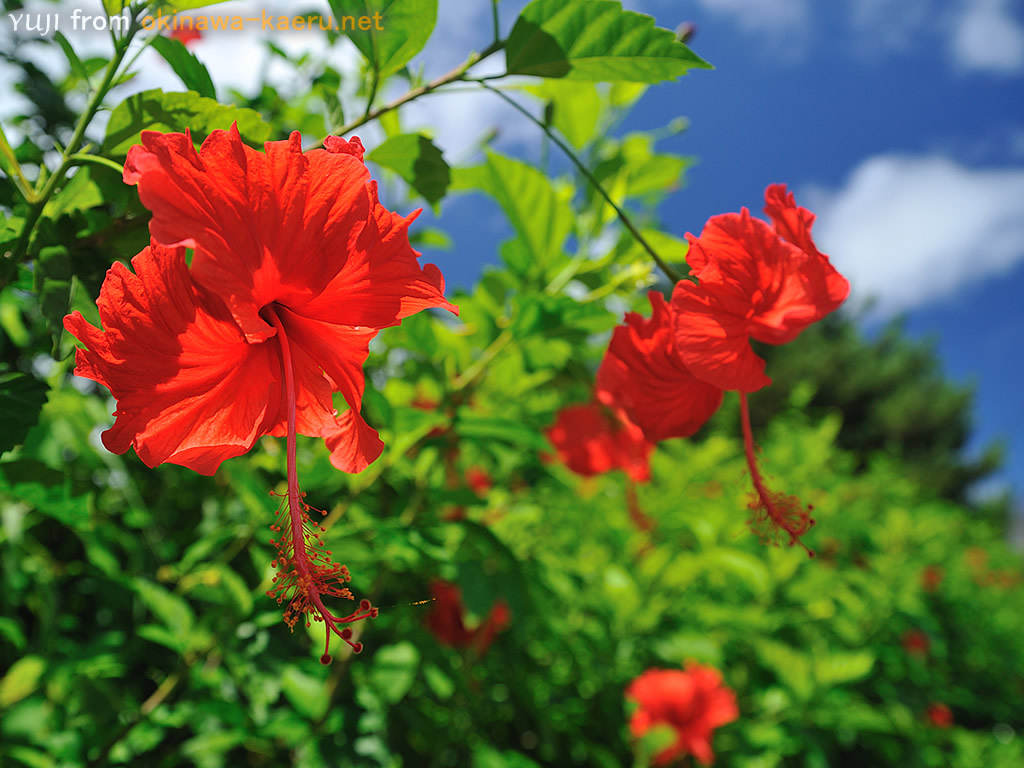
(595, 438)
(693, 702)
(940, 715)
(296, 266)
(642, 374)
(447, 623)
(754, 281)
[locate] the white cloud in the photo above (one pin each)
(909, 230)
(989, 38)
(979, 35)
(761, 15)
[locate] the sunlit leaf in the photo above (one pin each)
(595, 40)
(575, 108)
(387, 32)
(837, 668)
(540, 214)
(192, 72)
(21, 679)
(415, 158)
(394, 670)
(158, 111)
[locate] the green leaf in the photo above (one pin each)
(575, 108)
(431, 237)
(397, 31)
(839, 668)
(540, 215)
(11, 632)
(32, 758)
(307, 693)
(792, 668)
(21, 679)
(438, 681)
(505, 430)
(46, 490)
(21, 399)
(158, 111)
(76, 63)
(394, 670)
(78, 193)
(212, 743)
(172, 611)
(53, 281)
(185, 65)
(595, 40)
(415, 158)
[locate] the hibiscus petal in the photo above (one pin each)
(189, 389)
(592, 439)
(381, 281)
(340, 351)
(793, 224)
(266, 227)
(711, 338)
(642, 374)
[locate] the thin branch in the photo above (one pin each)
(459, 73)
(672, 275)
(83, 159)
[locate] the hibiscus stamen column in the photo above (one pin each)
(307, 571)
(773, 511)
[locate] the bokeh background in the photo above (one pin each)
(134, 627)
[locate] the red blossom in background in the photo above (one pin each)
(693, 702)
(296, 267)
(446, 619)
(185, 35)
(595, 438)
(940, 715)
(478, 480)
(915, 642)
(642, 374)
(931, 578)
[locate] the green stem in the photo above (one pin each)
(494, 20)
(467, 376)
(672, 275)
(106, 162)
(373, 92)
(42, 195)
(459, 73)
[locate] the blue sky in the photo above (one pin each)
(900, 122)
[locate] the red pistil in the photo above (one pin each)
(773, 512)
(307, 571)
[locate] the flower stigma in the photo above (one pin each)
(307, 572)
(773, 512)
